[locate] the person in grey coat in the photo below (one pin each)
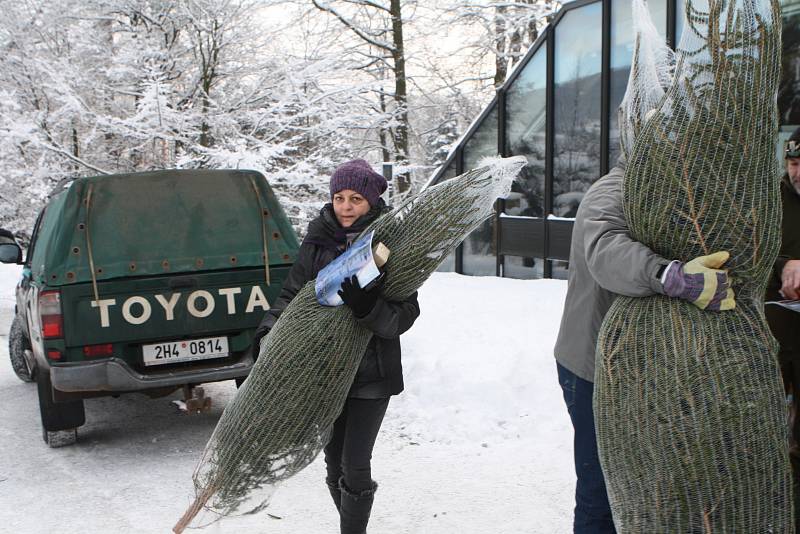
(355, 203)
(605, 261)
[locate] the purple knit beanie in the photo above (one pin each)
(358, 176)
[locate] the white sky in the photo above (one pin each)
(422, 39)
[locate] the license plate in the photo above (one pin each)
(185, 351)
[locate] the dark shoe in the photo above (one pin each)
(336, 494)
(355, 508)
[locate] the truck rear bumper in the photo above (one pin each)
(114, 375)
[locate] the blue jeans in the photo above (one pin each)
(592, 511)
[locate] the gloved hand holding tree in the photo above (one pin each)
(360, 300)
(701, 282)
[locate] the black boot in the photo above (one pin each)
(336, 494)
(355, 509)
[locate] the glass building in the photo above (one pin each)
(558, 108)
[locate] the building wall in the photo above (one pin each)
(558, 108)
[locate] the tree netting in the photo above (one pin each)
(282, 415)
(689, 406)
(651, 73)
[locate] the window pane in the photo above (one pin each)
(449, 263)
(789, 92)
(576, 162)
(479, 256)
(622, 42)
(526, 106)
(450, 172)
(560, 270)
(523, 268)
(483, 141)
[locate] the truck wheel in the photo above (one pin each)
(59, 419)
(17, 345)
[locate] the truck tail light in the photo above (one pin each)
(50, 312)
(93, 351)
(54, 355)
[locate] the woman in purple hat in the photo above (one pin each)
(355, 203)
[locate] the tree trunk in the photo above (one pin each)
(515, 47)
(400, 96)
(533, 29)
(75, 144)
(500, 63)
(383, 131)
(204, 128)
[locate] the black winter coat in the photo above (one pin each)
(380, 374)
(785, 324)
(790, 237)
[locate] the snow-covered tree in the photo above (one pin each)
(288, 87)
(508, 28)
(129, 85)
(378, 25)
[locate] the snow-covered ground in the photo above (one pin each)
(480, 441)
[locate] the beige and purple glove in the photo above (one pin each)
(701, 282)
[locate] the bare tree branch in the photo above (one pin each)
(366, 36)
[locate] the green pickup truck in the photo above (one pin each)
(145, 282)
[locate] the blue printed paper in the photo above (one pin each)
(356, 260)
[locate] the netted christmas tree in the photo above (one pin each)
(689, 406)
(280, 419)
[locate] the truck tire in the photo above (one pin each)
(17, 345)
(59, 419)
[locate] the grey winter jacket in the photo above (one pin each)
(604, 261)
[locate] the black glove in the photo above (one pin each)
(360, 300)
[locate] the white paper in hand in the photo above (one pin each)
(356, 260)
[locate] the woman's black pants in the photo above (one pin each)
(348, 457)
